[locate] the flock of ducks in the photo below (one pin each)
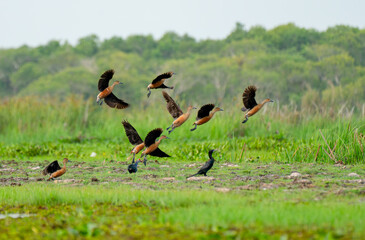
(150, 143)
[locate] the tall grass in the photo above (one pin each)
(33, 126)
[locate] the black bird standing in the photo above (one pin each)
(207, 166)
(133, 168)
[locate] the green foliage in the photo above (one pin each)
(88, 46)
(76, 127)
(70, 81)
(284, 62)
(25, 75)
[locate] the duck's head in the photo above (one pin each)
(217, 109)
(65, 160)
(191, 107)
(268, 100)
(117, 82)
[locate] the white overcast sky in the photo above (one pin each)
(35, 22)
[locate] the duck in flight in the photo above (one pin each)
(133, 138)
(250, 103)
(205, 113)
(106, 91)
(176, 112)
(158, 82)
(152, 145)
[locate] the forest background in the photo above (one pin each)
(305, 69)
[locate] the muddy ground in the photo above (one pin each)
(223, 177)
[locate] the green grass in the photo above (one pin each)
(249, 193)
(75, 127)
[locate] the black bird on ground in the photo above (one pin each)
(207, 166)
(133, 168)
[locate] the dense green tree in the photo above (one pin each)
(114, 43)
(88, 46)
(238, 33)
(65, 83)
(349, 38)
(290, 36)
(26, 74)
(290, 64)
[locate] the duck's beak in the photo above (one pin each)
(221, 109)
(271, 100)
(195, 108)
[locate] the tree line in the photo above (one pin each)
(303, 67)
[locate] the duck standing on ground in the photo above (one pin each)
(55, 170)
(106, 91)
(133, 138)
(158, 82)
(176, 112)
(205, 113)
(152, 145)
(250, 103)
(207, 166)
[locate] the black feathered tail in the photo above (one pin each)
(192, 175)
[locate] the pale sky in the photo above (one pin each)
(35, 22)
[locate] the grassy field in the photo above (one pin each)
(282, 175)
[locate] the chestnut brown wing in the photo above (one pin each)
(172, 107)
(151, 136)
(104, 79)
(248, 97)
(112, 101)
(162, 76)
(204, 111)
(131, 133)
(51, 168)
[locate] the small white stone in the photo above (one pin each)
(93, 154)
(295, 174)
(168, 179)
(223, 190)
(200, 178)
(353, 175)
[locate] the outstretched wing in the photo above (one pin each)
(172, 107)
(151, 136)
(112, 101)
(131, 133)
(51, 168)
(204, 111)
(159, 153)
(162, 77)
(163, 86)
(104, 79)
(248, 97)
